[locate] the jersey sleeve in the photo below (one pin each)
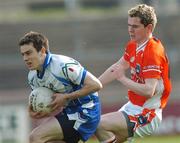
(153, 63)
(75, 72)
(129, 49)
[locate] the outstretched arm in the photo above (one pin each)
(112, 72)
(147, 89)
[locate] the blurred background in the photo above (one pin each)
(91, 31)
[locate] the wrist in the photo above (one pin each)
(66, 98)
(121, 79)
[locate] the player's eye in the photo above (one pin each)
(133, 26)
(28, 53)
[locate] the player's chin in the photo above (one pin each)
(30, 68)
(132, 37)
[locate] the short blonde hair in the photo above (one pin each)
(146, 14)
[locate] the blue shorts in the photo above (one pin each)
(79, 123)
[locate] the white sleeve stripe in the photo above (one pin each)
(152, 70)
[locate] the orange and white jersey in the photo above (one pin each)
(149, 61)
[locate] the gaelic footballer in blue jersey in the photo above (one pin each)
(76, 92)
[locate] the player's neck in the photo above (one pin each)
(41, 64)
(139, 44)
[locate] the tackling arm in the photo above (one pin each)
(112, 72)
(148, 89)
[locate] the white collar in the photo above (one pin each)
(142, 46)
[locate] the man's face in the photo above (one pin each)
(31, 57)
(137, 31)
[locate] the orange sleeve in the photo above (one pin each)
(130, 48)
(153, 61)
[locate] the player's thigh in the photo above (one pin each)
(114, 122)
(36, 122)
(50, 129)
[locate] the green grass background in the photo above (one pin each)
(152, 139)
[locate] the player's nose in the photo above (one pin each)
(25, 58)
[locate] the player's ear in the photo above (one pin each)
(150, 27)
(43, 50)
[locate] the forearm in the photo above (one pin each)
(108, 76)
(146, 89)
(86, 90)
(112, 72)
(91, 84)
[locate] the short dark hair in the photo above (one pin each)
(146, 14)
(37, 39)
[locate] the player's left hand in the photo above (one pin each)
(58, 102)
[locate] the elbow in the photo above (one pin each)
(99, 86)
(149, 93)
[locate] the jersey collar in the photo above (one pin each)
(47, 60)
(45, 64)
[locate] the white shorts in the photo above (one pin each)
(146, 121)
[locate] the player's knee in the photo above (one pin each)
(100, 129)
(34, 138)
(104, 123)
(31, 138)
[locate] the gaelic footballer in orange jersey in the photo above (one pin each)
(148, 84)
(149, 61)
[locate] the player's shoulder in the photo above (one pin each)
(154, 48)
(155, 44)
(61, 63)
(131, 43)
(155, 41)
(130, 46)
(62, 59)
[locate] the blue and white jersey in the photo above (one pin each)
(60, 73)
(63, 74)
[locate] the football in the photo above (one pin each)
(40, 98)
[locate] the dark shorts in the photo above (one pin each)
(70, 134)
(129, 124)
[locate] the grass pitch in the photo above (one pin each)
(153, 139)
